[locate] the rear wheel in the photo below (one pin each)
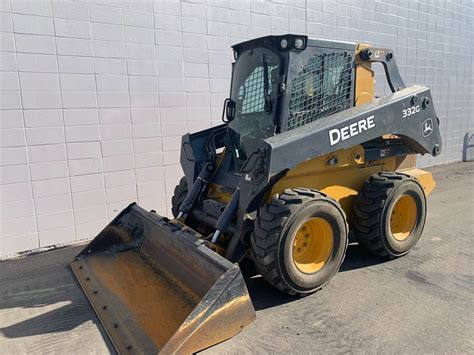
(299, 240)
(389, 214)
(180, 192)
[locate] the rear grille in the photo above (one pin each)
(321, 88)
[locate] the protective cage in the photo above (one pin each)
(251, 92)
(322, 87)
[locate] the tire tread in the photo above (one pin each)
(179, 194)
(368, 209)
(271, 220)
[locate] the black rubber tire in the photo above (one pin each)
(180, 192)
(274, 233)
(372, 211)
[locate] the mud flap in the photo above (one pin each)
(157, 288)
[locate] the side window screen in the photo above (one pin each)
(251, 92)
(321, 88)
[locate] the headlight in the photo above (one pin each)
(299, 43)
(284, 43)
(236, 55)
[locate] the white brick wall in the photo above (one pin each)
(95, 94)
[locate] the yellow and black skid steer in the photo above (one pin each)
(306, 157)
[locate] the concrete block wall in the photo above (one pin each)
(95, 94)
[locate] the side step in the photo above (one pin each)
(157, 288)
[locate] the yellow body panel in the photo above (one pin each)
(425, 178)
(364, 78)
(215, 192)
(342, 174)
(342, 180)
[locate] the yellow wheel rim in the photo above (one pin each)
(403, 217)
(312, 245)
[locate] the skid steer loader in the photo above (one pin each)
(306, 156)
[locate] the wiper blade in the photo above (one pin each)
(268, 101)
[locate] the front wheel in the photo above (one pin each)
(299, 240)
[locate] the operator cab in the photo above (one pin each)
(283, 82)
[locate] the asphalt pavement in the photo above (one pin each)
(420, 303)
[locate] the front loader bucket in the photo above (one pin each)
(157, 288)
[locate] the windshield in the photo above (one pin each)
(254, 90)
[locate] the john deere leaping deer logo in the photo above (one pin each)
(427, 127)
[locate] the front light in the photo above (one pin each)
(283, 43)
(236, 55)
(299, 43)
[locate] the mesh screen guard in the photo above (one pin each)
(251, 92)
(322, 87)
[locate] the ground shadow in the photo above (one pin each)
(265, 296)
(62, 319)
(73, 309)
(44, 281)
(262, 294)
(357, 257)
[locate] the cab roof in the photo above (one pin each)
(274, 42)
